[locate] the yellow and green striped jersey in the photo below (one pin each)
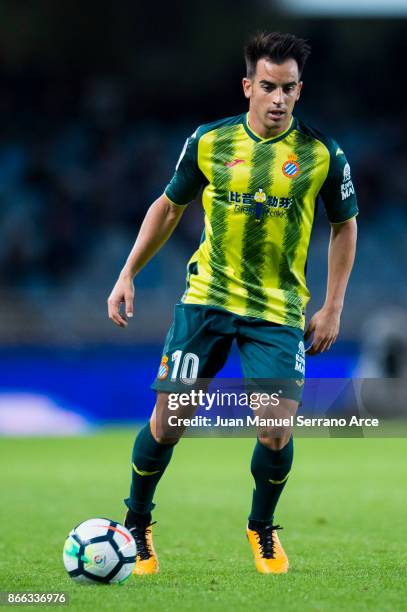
(259, 198)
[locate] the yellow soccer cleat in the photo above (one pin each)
(146, 557)
(269, 555)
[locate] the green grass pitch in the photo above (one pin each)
(343, 513)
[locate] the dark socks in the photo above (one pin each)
(270, 469)
(149, 460)
(135, 518)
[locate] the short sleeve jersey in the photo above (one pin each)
(259, 198)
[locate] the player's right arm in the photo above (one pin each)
(160, 221)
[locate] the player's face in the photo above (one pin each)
(273, 92)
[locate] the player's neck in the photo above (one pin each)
(263, 131)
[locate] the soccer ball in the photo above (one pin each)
(99, 550)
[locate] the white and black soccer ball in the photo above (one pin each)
(99, 550)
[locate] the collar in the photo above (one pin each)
(258, 138)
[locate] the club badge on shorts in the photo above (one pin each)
(163, 369)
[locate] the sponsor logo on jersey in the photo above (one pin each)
(300, 358)
(260, 204)
(291, 168)
(260, 196)
(347, 188)
(163, 369)
(234, 163)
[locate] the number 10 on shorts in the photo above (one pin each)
(187, 366)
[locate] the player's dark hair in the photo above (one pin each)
(276, 47)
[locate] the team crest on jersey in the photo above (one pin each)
(291, 168)
(163, 369)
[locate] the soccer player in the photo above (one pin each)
(260, 174)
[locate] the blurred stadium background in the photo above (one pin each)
(96, 102)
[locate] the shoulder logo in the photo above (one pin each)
(347, 188)
(234, 163)
(339, 152)
(291, 168)
(346, 172)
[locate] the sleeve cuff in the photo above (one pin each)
(181, 205)
(352, 216)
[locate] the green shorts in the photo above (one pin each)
(199, 341)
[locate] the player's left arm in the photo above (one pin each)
(341, 254)
(338, 194)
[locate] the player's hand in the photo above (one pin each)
(122, 293)
(324, 326)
